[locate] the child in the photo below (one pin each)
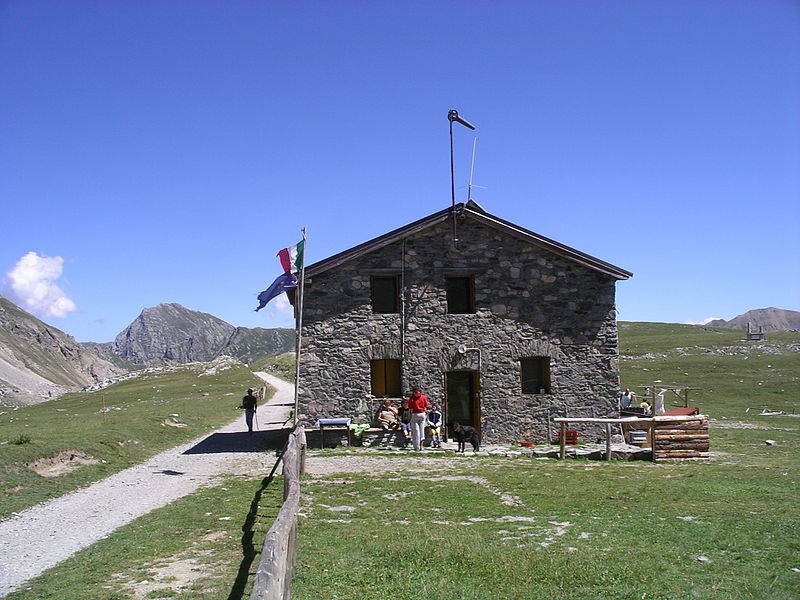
(405, 421)
(434, 425)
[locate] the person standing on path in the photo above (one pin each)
(250, 405)
(418, 404)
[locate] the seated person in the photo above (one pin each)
(627, 399)
(386, 415)
(433, 423)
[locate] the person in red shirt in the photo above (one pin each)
(418, 404)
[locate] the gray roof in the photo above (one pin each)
(470, 210)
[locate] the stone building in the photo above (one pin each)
(503, 328)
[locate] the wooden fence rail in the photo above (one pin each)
(273, 579)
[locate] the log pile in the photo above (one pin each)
(681, 437)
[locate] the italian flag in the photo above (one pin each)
(292, 257)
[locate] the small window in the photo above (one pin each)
(460, 295)
(535, 375)
(385, 377)
(384, 295)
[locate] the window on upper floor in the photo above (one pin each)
(535, 375)
(460, 295)
(385, 297)
(385, 377)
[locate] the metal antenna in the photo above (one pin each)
(452, 115)
(471, 169)
(471, 185)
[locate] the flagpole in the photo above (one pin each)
(298, 331)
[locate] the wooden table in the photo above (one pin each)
(608, 422)
(340, 423)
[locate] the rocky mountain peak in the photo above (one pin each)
(171, 333)
(763, 319)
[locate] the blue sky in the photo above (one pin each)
(165, 151)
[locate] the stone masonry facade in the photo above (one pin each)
(529, 302)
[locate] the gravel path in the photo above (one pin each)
(48, 533)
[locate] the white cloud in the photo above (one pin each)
(705, 322)
(280, 306)
(32, 284)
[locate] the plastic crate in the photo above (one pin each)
(570, 437)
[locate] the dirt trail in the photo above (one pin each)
(44, 535)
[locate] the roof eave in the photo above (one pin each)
(550, 245)
(475, 211)
(376, 243)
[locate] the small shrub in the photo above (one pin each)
(21, 439)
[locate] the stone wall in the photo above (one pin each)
(529, 302)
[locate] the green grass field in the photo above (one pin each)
(117, 427)
(733, 375)
(524, 528)
(509, 528)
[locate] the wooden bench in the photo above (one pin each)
(377, 436)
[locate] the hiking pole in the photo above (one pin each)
(255, 416)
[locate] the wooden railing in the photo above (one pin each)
(273, 577)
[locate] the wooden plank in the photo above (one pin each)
(608, 441)
(680, 427)
(562, 440)
(653, 439)
(270, 579)
(679, 453)
(687, 426)
(599, 420)
(682, 445)
(682, 436)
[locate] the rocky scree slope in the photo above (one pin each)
(38, 362)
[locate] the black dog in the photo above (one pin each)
(464, 433)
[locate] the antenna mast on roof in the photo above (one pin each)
(470, 185)
(452, 115)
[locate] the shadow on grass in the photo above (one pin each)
(249, 551)
(241, 441)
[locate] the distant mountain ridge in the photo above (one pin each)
(171, 333)
(38, 361)
(762, 319)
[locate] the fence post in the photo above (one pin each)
(273, 577)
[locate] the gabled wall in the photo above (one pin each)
(529, 302)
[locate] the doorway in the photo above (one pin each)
(462, 399)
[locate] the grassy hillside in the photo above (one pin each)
(116, 427)
(249, 345)
(282, 366)
(733, 374)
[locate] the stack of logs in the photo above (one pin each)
(681, 437)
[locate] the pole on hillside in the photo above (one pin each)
(298, 330)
